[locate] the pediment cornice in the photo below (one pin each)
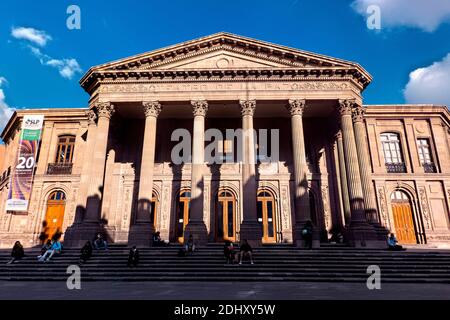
(264, 59)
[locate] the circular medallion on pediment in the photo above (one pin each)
(223, 63)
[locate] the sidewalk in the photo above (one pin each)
(221, 291)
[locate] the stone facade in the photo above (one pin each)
(332, 167)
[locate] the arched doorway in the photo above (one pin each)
(266, 215)
(225, 216)
(54, 217)
(403, 218)
(154, 209)
(182, 213)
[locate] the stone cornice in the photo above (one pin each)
(259, 74)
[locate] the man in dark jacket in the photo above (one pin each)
(86, 252)
(133, 257)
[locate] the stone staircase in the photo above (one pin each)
(272, 263)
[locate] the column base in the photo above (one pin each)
(77, 235)
(382, 232)
(363, 235)
(199, 232)
(251, 231)
(141, 235)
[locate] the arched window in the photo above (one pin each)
(57, 196)
(392, 152)
(66, 146)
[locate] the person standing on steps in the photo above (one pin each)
(307, 234)
(246, 251)
(133, 257)
(17, 253)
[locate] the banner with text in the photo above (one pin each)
(23, 172)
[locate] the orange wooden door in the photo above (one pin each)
(266, 217)
(226, 218)
(54, 217)
(404, 223)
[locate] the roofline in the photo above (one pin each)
(215, 35)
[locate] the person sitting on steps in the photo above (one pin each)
(86, 252)
(17, 253)
(392, 243)
(100, 242)
(229, 252)
(190, 245)
(133, 257)
(56, 248)
(246, 251)
(157, 241)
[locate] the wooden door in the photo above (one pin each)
(182, 215)
(266, 216)
(54, 217)
(404, 223)
(226, 217)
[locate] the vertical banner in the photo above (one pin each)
(23, 172)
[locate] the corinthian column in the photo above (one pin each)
(343, 178)
(361, 233)
(250, 228)
(143, 229)
(364, 164)
(302, 210)
(196, 226)
(105, 111)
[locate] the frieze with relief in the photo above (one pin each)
(233, 86)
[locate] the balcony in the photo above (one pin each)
(396, 167)
(429, 167)
(59, 168)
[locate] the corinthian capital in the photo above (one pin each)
(296, 106)
(345, 107)
(90, 114)
(104, 109)
(248, 107)
(151, 108)
(358, 113)
(199, 107)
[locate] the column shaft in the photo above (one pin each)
(95, 189)
(196, 225)
(250, 228)
(343, 178)
(151, 110)
(302, 209)
(365, 168)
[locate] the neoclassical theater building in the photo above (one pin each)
(361, 170)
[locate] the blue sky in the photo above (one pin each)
(115, 29)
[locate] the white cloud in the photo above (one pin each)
(38, 37)
(430, 84)
(427, 15)
(67, 67)
(5, 110)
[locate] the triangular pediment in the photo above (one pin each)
(224, 50)
(229, 53)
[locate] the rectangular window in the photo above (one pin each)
(425, 158)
